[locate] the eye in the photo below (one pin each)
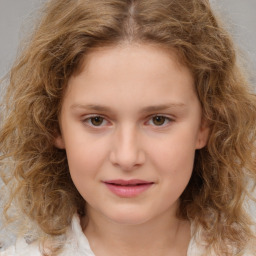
(95, 121)
(159, 120)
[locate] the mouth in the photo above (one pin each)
(128, 188)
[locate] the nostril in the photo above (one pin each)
(127, 159)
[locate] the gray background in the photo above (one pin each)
(16, 20)
(16, 16)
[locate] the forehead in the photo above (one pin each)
(131, 52)
(131, 72)
(131, 57)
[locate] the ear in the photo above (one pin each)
(203, 134)
(59, 142)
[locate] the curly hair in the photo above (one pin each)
(37, 172)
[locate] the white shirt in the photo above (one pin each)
(77, 244)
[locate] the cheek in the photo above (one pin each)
(174, 157)
(85, 158)
(175, 166)
(84, 162)
(175, 148)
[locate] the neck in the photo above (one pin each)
(162, 235)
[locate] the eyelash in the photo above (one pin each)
(88, 120)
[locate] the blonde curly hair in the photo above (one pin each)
(37, 172)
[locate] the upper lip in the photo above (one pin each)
(127, 182)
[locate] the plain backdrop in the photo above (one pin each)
(16, 19)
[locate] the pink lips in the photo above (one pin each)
(128, 188)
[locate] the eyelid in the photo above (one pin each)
(85, 118)
(149, 118)
(168, 117)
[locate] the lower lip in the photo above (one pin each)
(128, 191)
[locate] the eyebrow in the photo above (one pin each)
(153, 108)
(162, 107)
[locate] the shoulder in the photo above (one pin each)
(21, 248)
(75, 244)
(198, 247)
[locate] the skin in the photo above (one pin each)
(133, 83)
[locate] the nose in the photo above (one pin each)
(126, 151)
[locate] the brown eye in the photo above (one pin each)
(159, 120)
(97, 120)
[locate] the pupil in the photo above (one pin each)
(159, 120)
(97, 120)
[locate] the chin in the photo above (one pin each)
(129, 217)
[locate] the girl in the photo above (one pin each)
(129, 129)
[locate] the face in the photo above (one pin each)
(130, 124)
